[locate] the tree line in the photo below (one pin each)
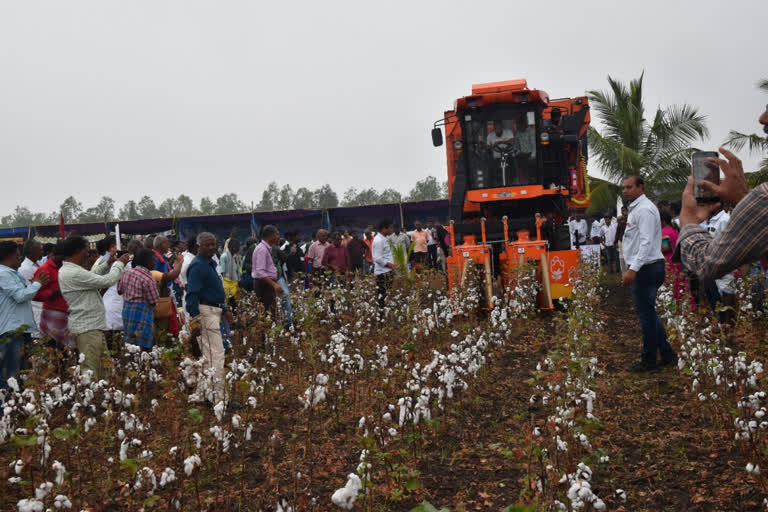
(273, 198)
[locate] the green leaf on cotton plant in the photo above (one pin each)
(196, 415)
(131, 465)
(412, 484)
(519, 508)
(25, 441)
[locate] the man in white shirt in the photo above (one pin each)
(383, 261)
(594, 231)
(32, 252)
(431, 245)
(187, 257)
(608, 237)
(499, 134)
(645, 273)
(578, 227)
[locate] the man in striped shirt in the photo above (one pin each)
(744, 240)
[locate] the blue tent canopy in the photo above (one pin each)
(246, 224)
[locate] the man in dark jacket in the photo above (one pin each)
(357, 250)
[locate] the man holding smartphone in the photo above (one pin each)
(645, 273)
(744, 240)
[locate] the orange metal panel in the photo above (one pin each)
(521, 192)
(507, 85)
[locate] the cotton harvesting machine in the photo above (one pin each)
(517, 166)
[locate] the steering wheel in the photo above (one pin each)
(506, 148)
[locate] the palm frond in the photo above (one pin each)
(754, 142)
(760, 176)
(615, 159)
(603, 195)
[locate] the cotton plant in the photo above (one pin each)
(564, 387)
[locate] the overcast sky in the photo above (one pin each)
(205, 98)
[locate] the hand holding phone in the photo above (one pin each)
(705, 168)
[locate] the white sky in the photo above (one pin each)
(204, 98)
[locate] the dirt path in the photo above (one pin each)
(664, 450)
(666, 453)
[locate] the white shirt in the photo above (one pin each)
(595, 231)
(714, 226)
(609, 234)
(430, 239)
(187, 258)
(506, 136)
(642, 238)
(381, 254)
(717, 223)
(579, 226)
(28, 269)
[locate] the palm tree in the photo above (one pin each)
(755, 144)
(630, 145)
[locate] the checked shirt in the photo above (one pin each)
(744, 240)
(138, 285)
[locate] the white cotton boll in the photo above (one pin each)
(392, 432)
(124, 449)
(248, 432)
(62, 501)
(26, 505)
(197, 439)
(218, 410)
(14, 480)
(598, 504)
(236, 421)
(387, 417)
(43, 490)
(18, 466)
(60, 470)
(190, 463)
(346, 496)
(13, 384)
(167, 477)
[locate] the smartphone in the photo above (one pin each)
(703, 169)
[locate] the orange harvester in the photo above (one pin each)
(517, 167)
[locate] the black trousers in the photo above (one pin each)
(432, 252)
(383, 283)
(265, 293)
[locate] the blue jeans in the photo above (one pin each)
(285, 301)
(644, 288)
(10, 356)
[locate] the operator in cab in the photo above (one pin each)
(499, 134)
(553, 125)
(525, 143)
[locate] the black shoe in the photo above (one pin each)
(669, 362)
(644, 367)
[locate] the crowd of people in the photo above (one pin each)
(79, 298)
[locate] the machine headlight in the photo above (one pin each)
(545, 137)
(457, 145)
